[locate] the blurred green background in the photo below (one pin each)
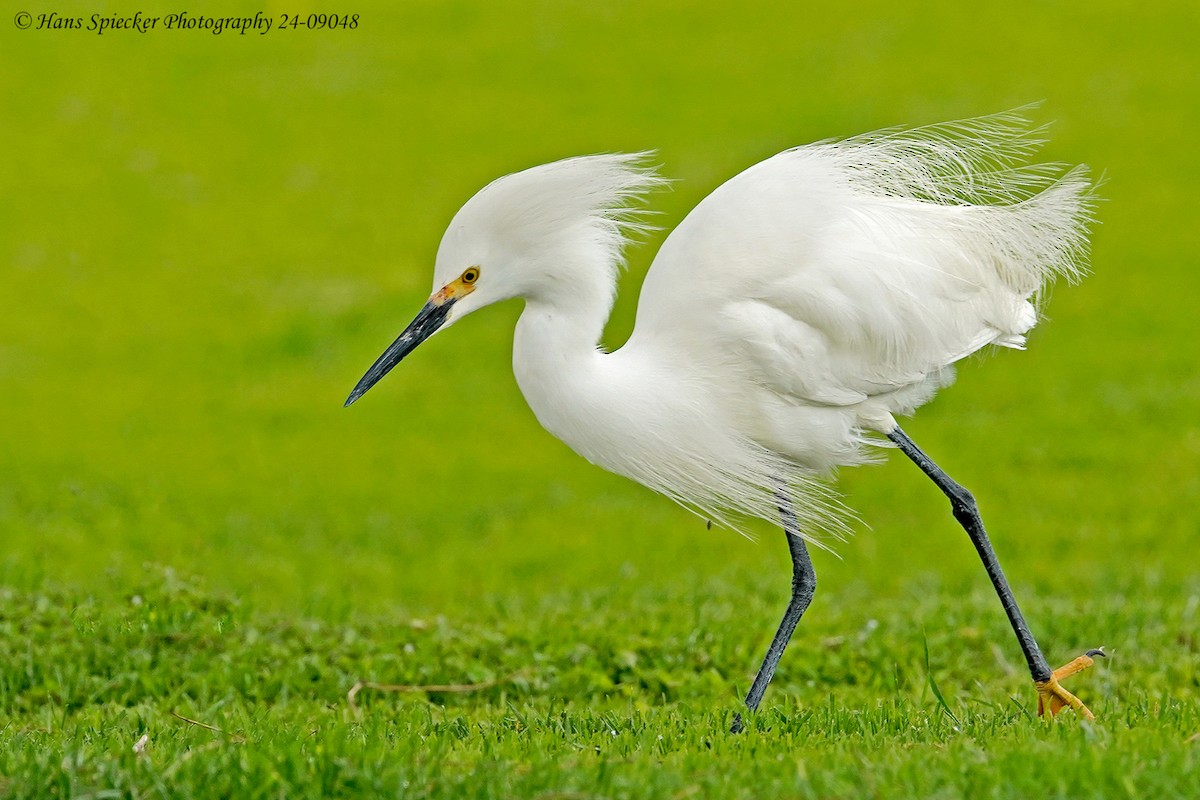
(205, 240)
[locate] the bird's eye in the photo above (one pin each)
(470, 276)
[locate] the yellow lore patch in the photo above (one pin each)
(461, 286)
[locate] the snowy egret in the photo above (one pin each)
(783, 324)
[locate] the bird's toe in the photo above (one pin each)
(1053, 698)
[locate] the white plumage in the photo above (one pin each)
(791, 315)
(798, 307)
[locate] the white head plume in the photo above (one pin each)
(519, 229)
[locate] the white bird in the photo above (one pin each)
(786, 321)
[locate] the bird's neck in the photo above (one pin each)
(573, 298)
(556, 356)
(566, 311)
(556, 334)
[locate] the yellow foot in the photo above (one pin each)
(1053, 697)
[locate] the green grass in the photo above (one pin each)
(205, 240)
(625, 691)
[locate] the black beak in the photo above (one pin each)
(430, 318)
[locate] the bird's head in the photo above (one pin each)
(534, 234)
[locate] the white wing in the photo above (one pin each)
(840, 271)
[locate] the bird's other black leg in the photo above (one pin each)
(804, 584)
(966, 511)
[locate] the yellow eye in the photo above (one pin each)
(470, 276)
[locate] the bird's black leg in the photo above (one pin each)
(804, 584)
(966, 511)
(1052, 697)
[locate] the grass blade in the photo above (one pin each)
(937, 693)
